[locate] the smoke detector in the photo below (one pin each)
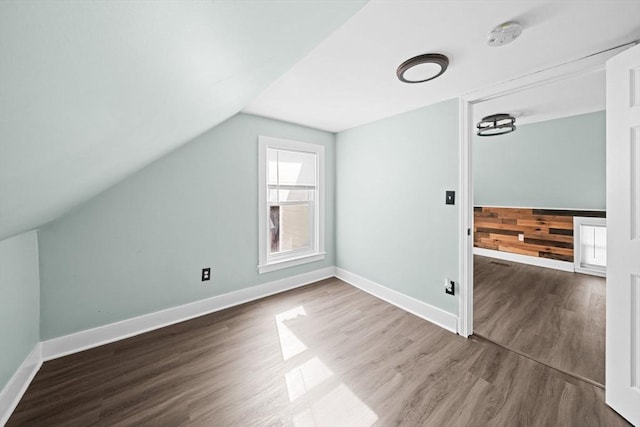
(504, 34)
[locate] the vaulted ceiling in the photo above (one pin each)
(91, 91)
(349, 79)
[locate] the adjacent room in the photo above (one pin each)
(260, 213)
(540, 224)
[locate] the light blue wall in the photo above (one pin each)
(139, 247)
(392, 225)
(19, 302)
(553, 164)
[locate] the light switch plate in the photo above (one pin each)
(450, 198)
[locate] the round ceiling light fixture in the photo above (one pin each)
(504, 33)
(496, 124)
(422, 68)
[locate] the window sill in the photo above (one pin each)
(291, 262)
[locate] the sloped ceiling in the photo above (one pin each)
(349, 78)
(93, 91)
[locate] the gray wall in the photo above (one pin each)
(19, 302)
(553, 164)
(139, 247)
(392, 225)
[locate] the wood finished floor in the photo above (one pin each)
(553, 316)
(326, 354)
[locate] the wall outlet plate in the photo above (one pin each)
(206, 274)
(450, 287)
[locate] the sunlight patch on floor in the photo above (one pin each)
(339, 407)
(306, 376)
(289, 343)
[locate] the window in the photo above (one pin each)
(590, 245)
(291, 203)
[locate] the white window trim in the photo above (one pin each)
(577, 247)
(317, 252)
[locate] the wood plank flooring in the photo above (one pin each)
(553, 316)
(326, 354)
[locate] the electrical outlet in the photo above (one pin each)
(521, 237)
(449, 287)
(206, 274)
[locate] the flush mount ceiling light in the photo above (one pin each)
(504, 33)
(422, 68)
(496, 124)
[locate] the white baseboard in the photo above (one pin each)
(421, 309)
(57, 347)
(90, 338)
(590, 271)
(83, 340)
(525, 259)
(12, 393)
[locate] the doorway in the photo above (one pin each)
(531, 184)
(623, 120)
(558, 254)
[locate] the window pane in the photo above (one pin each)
(274, 229)
(272, 166)
(294, 223)
(296, 195)
(290, 228)
(296, 168)
(593, 241)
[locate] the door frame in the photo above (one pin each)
(582, 66)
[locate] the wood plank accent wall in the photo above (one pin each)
(548, 233)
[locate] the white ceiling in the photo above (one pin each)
(349, 79)
(569, 97)
(91, 91)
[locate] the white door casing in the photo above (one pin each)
(623, 234)
(579, 67)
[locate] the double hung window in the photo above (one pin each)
(590, 245)
(291, 203)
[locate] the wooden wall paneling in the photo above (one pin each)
(548, 233)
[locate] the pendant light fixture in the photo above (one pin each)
(496, 124)
(422, 68)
